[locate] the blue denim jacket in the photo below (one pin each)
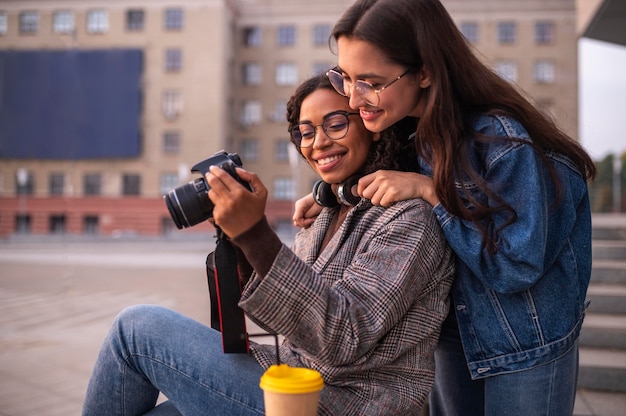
(524, 305)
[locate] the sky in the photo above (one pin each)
(602, 98)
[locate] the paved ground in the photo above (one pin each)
(58, 297)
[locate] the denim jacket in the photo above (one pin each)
(523, 306)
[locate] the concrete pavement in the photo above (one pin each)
(58, 297)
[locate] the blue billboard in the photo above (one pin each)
(71, 104)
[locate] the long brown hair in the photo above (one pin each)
(394, 151)
(420, 34)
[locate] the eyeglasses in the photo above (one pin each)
(370, 94)
(335, 126)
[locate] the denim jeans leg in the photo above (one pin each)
(454, 392)
(151, 349)
(547, 390)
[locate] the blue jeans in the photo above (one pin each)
(545, 390)
(150, 349)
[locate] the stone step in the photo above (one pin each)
(608, 226)
(609, 271)
(607, 298)
(608, 233)
(604, 331)
(609, 249)
(599, 403)
(602, 369)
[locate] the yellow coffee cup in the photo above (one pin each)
(289, 391)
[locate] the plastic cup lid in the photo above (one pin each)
(291, 380)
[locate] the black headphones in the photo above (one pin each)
(324, 195)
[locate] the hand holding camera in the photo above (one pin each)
(233, 197)
(237, 208)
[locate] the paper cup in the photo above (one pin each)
(290, 391)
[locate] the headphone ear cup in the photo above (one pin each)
(323, 195)
(344, 191)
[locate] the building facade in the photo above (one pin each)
(195, 77)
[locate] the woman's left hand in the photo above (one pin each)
(236, 209)
(384, 187)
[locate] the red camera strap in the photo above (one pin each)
(225, 292)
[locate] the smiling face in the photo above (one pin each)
(360, 60)
(334, 160)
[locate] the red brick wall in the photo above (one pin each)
(141, 216)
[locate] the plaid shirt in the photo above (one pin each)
(366, 312)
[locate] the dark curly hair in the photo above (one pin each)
(394, 151)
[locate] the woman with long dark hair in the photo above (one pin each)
(509, 189)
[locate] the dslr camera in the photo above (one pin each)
(189, 204)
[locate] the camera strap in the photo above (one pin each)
(225, 292)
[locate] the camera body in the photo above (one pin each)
(189, 204)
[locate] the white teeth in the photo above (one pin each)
(327, 160)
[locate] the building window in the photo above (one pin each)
(57, 224)
(250, 113)
(91, 224)
(172, 104)
(249, 150)
(171, 142)
(134, 20)
(173, 60)
(169, 181)
(24, 182)
(507, 70)
(252, 74)
(63, 21)
(286, 35)
(131, 184)
(174, 19)
(97, 21)
(321, 34)
(544, 72)
(92, 184)
(3, 23)
(320, 68)
(544, 32)
(22, 224)
(279, 114)
(286, 74)
(56, 183)
(506, 32)
(283, 189)
(252, 36)
(29, 22)
(281, 151)
(470, 31)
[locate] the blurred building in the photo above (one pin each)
(105, 105)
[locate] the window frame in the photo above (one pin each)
(29, 27)
(63, 21)
(173, 19)
(173, 59)
(286, 74)
(286, 35)
(507, 33)
(97, 21)
(135, 20)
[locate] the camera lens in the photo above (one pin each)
(189, 204)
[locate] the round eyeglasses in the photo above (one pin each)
(370, 94)
(335, 126)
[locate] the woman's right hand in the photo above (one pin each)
(305, 211)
